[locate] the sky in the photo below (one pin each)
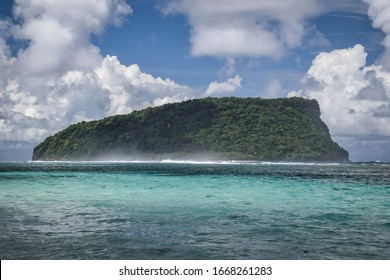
(62, 62)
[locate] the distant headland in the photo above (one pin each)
(229, 128)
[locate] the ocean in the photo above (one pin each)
(194, 210)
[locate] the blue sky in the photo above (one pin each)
(81, 60)
(160, 45)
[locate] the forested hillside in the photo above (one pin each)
(285, 129)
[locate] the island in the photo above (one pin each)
(228, 128)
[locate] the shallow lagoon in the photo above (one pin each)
(192, 210)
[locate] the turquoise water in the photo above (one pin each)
(173, 210)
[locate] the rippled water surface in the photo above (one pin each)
(171, 210)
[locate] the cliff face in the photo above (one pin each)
(225, 128)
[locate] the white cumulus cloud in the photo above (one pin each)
(60, 77)
(131, 89)
(248, 28)
(379, 12)
(354, 98)
(228, 86)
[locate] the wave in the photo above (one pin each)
(235, 162)
(248, 162)
(303, 163)
(200, 162)
(164, 161)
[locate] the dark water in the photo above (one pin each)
(194, 211)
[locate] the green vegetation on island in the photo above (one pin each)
(284, 129)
